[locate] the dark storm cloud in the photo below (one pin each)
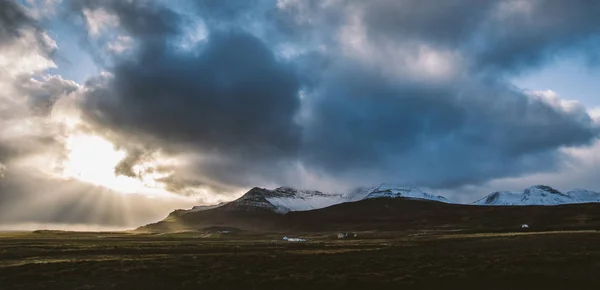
(225, 98)
(442, 136)
(465, 130)
(226, 10)
(232, 97)
(30, 193)
(498, 36)
(125, 167)
(12, 18)
(447, 22)
(547, 27)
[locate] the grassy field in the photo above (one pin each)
(54, 260)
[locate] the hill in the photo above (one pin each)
(539, 195)
(386, 214)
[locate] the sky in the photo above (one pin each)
(114, 113)
(570, 77)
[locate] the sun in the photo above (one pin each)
(92, 159)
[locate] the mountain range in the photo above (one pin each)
(388, 208)
(539, 195)
(285, 199)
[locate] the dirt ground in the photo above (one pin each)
(51, 260)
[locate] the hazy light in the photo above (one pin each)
(93, 159)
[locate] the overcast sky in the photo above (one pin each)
(143, 106)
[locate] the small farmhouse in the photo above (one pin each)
(294, 239)
(346, 235)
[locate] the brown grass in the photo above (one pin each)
(557, 260)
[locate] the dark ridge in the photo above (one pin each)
(493, 197)
(390, 215)
(546, 189)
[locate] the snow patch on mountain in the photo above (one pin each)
(538, 195)
(584, 196)
(544, 195)
(358, 193)
(390, 191)
(256, 198)
(286, 199)
(292, 199)
(501, 198)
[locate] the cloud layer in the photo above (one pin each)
(36, 109)
(354, 92)
(223, 95)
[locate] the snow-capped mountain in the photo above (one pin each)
(544, 195)
(539, 195)
(256, 198)
(501, 198)
(286, 199)
(584, 196)
(389, 191)
(290, 199)
(358, 193)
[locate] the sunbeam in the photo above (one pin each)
(93, 159)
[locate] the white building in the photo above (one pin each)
(294, 239)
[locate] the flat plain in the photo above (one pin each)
(374, 260)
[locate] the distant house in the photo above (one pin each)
(294, 239)
(346, 235)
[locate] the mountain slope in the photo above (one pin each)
(407, 214)
(584, 196)
(388, 191)
(290, 199)
(205, 207)
(538, 195)
(389, 208)
(257, 198)
(388, 214)
(285, 199)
